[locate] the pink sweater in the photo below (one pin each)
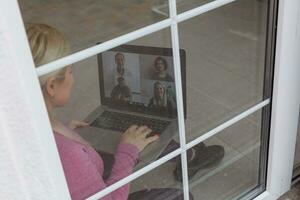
(83, 168)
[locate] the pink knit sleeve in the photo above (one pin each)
(126, 158)
(84, 179)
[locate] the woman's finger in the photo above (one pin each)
(152, 139)
(146, 132)
(81, 123)
(132, 128)
(141, 129)
(76, 124)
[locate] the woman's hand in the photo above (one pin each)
(73, 124)
(137, 135)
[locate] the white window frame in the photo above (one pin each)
(39, 174)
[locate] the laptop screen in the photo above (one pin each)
(139, 79)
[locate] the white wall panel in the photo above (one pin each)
(30, 166)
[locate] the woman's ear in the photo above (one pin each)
(50, 87)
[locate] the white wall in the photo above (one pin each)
(29, 162)
(286, 98)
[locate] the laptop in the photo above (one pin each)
(136, 87)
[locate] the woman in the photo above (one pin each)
(160, 70)
(160, 103)
(82, 165)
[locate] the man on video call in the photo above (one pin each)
(121, 93)
(121, 71)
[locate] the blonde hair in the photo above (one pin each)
(47, 44)
(159, 102)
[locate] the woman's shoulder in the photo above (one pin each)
(75, 153)
(151, 101)
(71, 152)
(61, 140)
(169, 78)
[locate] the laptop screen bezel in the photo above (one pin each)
(146, 50)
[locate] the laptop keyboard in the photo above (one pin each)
(121, 122)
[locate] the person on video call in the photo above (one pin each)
(159, 102)
(83, 167)
(121, 71)
(121, 94)
(160, 70)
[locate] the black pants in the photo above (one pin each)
(158, 194)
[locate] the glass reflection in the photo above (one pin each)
(238, 172)
(185, 5)
(86, 23)
(225, 51)
(226, 166)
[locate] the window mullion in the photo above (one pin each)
(179, 98)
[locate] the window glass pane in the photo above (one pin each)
(88, 22)
(227, 165)
(182, 6)
(225, 51)
(185, 5)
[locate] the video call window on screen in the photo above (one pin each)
(139, 79)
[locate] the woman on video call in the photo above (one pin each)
(160, 103)
(160, 70)
(82, 165)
